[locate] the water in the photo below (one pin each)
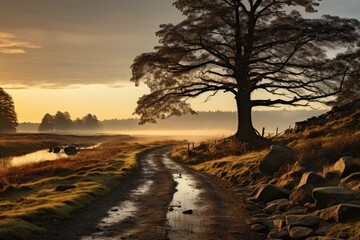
(34, 157)
(187, 197)
(125, 211)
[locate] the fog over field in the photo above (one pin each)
(204, 123)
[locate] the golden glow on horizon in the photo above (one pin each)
(106, 103)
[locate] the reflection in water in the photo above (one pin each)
(187, 197)
(38, 156)
(124, 211)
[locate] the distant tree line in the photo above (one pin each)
(61, 121)
(8, 116)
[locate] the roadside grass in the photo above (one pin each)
(317, 148)
(28, 192)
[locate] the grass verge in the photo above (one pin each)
(29, 192)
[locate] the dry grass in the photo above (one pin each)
(29, 191)
(18, 144)
(316, 153)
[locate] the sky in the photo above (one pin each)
(75, 55)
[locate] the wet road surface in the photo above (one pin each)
(164, 200)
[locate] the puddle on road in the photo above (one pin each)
(187, 197)
(125, 210)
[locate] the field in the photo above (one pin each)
(32, 192)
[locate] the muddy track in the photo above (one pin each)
(149, 204)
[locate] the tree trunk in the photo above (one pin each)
(246, 132)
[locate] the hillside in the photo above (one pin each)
(306, 184)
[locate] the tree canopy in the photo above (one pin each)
(8, 116)
(244, 47)
(61, 121)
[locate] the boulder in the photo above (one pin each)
(271, 192)
(278, 234)
(330, 196)
(259, 228)
(70, 150)
(302, 221)
(277, 205)
(347, 165)
(351, 182)
(279, 224)
(300, 233)
(56, 149)
(332, 178)
(302, 195)
(340, 213)
(323, 228)
(311, 178)
(277, 157)
(295, 210)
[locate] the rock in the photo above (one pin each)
(298, 210)
(278, 234)
(332, 178)
(279, 223)
(267, 222)
(330, 196)
(351, 182)
(347, 165)
(340, 213)
(258, 228)
(279, 204)
(323, 228)
(70, 150)
(62, 188)
(277, 157)
(56, 149)
(190, 211)
(311, 178)
(300, 233)
(302, 221)
(302, 195)
(271, 192)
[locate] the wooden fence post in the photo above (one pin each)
(263, 132)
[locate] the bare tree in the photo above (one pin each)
(244, 47)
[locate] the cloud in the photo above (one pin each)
(12, 44)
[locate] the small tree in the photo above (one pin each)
(8, 116)
(47, 123)
(243, 48)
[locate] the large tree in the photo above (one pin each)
(8, 116)
(351, 87)
(243, 47)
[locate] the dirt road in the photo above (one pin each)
(162, 200)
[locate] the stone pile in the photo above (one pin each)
(312, 207)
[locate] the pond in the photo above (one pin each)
(34, 157)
